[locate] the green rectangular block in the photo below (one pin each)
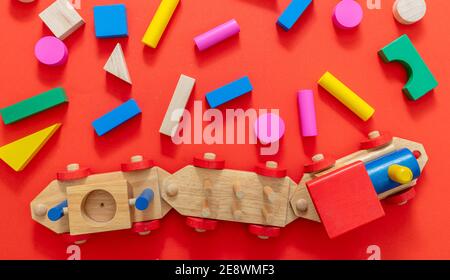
(33, 105)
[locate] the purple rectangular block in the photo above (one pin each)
(307, 112)
(217, 35)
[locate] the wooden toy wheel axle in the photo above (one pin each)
(209, 161)
(402, 198)
(376, 140)
(145, 228)
(264, 232)
(319, 163)
(271, 169)
(76, 239)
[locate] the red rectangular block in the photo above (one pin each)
(345, 199)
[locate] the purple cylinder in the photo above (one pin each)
(217, 35)
(307, 112)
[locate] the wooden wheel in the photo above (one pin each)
(73, 172)
(264, 232)
(201, 225)
(209, 161)
(136, 163)
(402, 198)
(144, 228)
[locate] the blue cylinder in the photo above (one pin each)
(378, 169)
(143, 201)
(57, 212)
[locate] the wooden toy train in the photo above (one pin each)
(341, 194)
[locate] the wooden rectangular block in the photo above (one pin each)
(33, 105)
(345, 199)
(229, 92)
(61, 18)
(177, 105)
(116, 117)
(99, 207)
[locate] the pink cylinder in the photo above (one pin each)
(347, 14)
(51, 51)
(217, 35)
(307, 112)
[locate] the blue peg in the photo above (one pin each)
(144, 199)
(57, 212)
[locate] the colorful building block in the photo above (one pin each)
(57, 212)
(33, 105)
(345, 199)
(307, 112)
(409, 11)
(177, 105)
(61, 18)
(116, 117)
(421, 80)
(347, 14)
(269, 128)
(144, 199)
(217, 35)
(346, 96)
(229, 92)
(292, 13)
(20, 152)
(384, 178)
(110, 21)
(159, 22)
(51, 51)
(117, 65)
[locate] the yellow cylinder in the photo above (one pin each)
(346, 96)
(400, 174)
(159, 22)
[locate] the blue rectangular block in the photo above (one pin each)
(292, 13)
(110, 21)
(229, 92)
(116, 117)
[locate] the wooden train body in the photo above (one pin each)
(342, 194)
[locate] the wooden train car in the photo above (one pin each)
(78, 204)
(343, 194)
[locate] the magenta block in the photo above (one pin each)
(307, 112)
(347, 14)
(51, 51)
(217, 35)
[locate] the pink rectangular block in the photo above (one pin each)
(307, 112)
(217, 35)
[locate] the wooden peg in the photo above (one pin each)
(269, 194)
(172, 190)
(238, 190)
(206, 212)
(40, 210)
(268, 216)
(207, 186)
(236, 210)
(301, 205)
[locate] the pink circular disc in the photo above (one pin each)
(347, 14)
(269, 128)
(51, 51)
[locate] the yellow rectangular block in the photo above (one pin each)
(159, 22)
(346, 96)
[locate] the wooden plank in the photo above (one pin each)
(177, 105)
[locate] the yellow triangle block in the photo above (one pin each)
(20, 152)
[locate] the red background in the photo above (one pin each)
(278, 64)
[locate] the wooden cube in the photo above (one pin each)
(99, 207)
(345, 199)
(61, 18)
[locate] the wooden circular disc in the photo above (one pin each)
(51, 51)
(264, 231)
(201, 224)
(99, 206)
(73, 175)
(409, 11)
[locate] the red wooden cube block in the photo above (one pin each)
(345, 199)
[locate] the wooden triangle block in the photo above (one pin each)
(20, 152)
(117, 65)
